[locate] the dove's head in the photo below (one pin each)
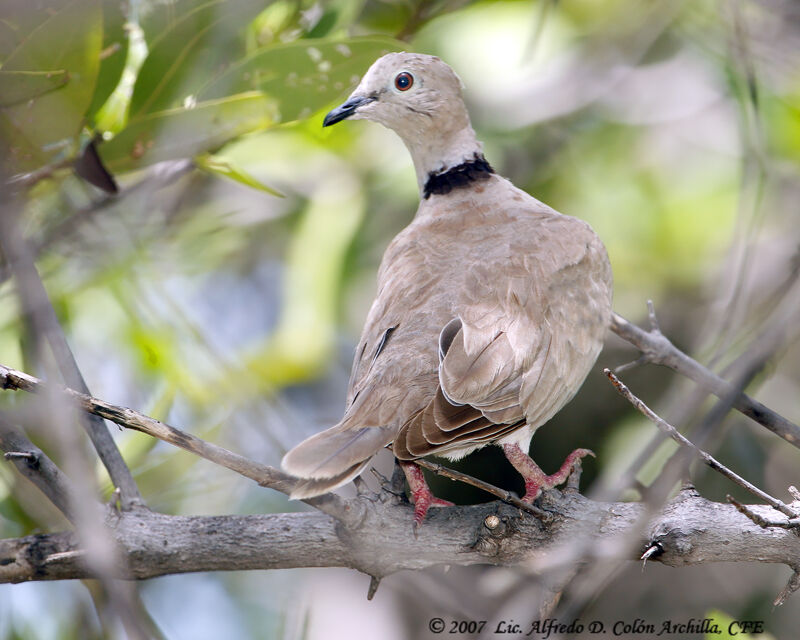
(419, 97)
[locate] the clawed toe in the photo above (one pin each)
(535, 479)
(421, 495)
(423, 503)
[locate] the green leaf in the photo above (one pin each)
(186, 132)
(226, 168)
(158, 17)
(70, 39)
(7, 35)
(302, 76)
(21, 86)
(19, 19)
(183, 57)
(339, 14)
(113, 55)
(325, 24)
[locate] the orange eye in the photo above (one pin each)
(404, 81)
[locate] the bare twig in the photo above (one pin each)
(673, 433)
(103, 556)
(376, 540)
(657, 348)
(762, 521)
(30, 179)
(505, 496)
(792, 586)
(129, 418)
(32, 458)
(374, 583)
(156, 177)
(386, 485)
(419, 16)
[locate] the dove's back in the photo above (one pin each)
(491, 308)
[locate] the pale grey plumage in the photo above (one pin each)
(491, 307)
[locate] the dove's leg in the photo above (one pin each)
(421, 494)
(535, 479)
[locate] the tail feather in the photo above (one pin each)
(313, 488)
(332, 458)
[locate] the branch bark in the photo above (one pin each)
(380, 542)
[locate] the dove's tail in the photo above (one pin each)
(332, 458)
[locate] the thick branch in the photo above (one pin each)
(657, 348)
(381, 542)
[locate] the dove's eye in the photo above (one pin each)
(403, 81)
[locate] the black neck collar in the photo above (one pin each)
(461, 175)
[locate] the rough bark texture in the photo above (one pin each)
(379, 541)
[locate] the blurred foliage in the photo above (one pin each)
(68, 42)
(205, 300)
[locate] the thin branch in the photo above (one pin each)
(374, 536)
(419, 16)
(88, 515)
(792, 586)
(505, 496)
(760, 520)
(712, 462)
(32, 178)
(263, 474)
(657, 348)
(156, 177)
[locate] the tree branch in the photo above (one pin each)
(658, 349)
(158, 176)
(505, 496)
(381, 542)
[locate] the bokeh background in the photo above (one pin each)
(226, 298)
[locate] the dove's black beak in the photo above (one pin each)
(344, 111)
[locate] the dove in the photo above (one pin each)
(491, 307)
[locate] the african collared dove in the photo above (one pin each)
(491, 306)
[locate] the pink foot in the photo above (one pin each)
(421, 494)
(535, 479)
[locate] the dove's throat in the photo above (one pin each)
(436, 152)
